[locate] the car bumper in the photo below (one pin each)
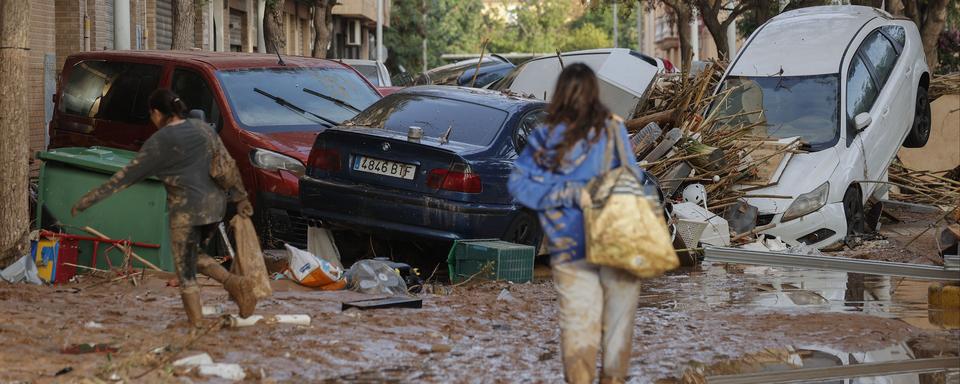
(281, 219)
(819, 229)
(390, 213)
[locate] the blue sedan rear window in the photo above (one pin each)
(468, 122)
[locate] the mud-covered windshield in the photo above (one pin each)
(792, 106)
(271, 99)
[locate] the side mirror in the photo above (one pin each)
(862, 121)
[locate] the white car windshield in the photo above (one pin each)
(793, 106)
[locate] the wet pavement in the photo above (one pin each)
(711, 321)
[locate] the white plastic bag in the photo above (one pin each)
(310, 270)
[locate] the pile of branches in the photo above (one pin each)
(691, 145)
(948, 84)
(925, 187)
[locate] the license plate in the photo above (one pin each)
(384, 167)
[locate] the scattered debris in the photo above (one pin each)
(212, 310)
(205, 366)
(222, 370)
(194, 360)
(715, 230)
(92, 325)
(505, 296)
(84, 348)
(235, 321)
(23, 270)
(948, 84)
(390, 302)
(924, 187)
(311, 271)
(375, 277)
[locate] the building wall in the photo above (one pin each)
(41, 69)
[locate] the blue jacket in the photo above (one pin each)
(555, 194)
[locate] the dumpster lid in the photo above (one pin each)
(103, 159)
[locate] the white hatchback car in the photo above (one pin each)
(851, 83)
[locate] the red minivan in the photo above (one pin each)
(267, 112)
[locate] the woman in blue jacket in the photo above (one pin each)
(597, 304)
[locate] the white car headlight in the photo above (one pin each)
(807, 203)
(272, 161)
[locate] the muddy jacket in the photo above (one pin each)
(194, 166)
(555, 194)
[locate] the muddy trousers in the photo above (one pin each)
(597, 310)
(186, 242)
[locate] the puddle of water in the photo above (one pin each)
(761, 287)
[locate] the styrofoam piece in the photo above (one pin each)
(717, 230)
(237, 321)
(194, 360)
(212, 310)
(290, 319)
(223, 370)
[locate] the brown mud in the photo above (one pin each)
(687, 319)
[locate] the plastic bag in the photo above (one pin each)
(249, 261)
(312, 271)
(375, 277)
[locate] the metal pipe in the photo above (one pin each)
(830, 263)
(121, 24)
(380, 31)
(261, 41)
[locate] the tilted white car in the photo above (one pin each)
(851, 83)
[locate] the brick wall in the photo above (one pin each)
(69, 28)
(41, 42)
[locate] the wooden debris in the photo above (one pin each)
(948, 84)
(125, 248)
(923, 187)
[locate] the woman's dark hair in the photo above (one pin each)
(576, 103)
(168, 103)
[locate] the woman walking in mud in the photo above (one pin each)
(200, 177)
(597, 304)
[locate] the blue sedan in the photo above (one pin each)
(430, 161)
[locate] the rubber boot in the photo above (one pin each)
(239, 287)
(191, 303)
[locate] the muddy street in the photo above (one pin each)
(690, 323)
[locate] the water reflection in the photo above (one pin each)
(716, 284)
(807, 357)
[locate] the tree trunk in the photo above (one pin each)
(933, 22)
(683, 13)
(183, 15)
(910, 11)
(273, 32)
(895, 7)
(14, 166)
(322, 26)
(718, 30)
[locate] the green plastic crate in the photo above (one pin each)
(512, 262)
(138, 213)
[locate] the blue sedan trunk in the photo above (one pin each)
(450, 184)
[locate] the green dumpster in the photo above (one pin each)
(137, 214)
